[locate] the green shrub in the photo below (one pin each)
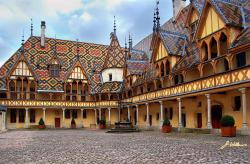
(166, 122)
(103, 122)
(73, 121)
(227, 121)
(41, 122)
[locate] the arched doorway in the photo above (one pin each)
(216, 116)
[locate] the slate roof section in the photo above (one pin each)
(111, 87)
(242, 39)
(136, 67)
(66, 51)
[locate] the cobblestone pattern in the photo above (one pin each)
(93, 146)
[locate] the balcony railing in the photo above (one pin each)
(233, 77)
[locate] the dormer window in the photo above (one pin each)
(54, 69)
(193, 28)
(110, 77)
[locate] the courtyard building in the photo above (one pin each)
(193, 69)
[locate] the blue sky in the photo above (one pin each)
(86, 20)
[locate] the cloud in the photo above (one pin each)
(86, 20)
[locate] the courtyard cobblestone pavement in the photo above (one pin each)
(94, 146)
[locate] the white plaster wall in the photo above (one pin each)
(117, 74)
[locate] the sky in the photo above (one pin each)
(86, 20)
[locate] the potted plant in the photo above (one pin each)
(73, 123)
(227, 126)
(41, 124)
(166, 126)
(102, 124)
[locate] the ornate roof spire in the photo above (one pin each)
(31, 27)
(114, 26)
(126, 43)
(130, 42)
(154, 26)
(22, 48)
(158, 25)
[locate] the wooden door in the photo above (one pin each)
(216, 116)
(57, 123)
(199, 120)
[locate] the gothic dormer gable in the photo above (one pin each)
(77, 73)
(210, 21)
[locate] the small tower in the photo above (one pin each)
(178, 5)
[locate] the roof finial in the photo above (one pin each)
(126, 42)
(22, 48)
(130, 42)
(31, 27)
(158, 25)
(114, 26)
(154, 26)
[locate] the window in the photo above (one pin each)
(77, 73)
(110, 77)
(54, 70)
(13, 116)
(241, 59)
(22, 70)
(165, 112)
(67, 114)
(237, 103)
(84, 114)
(32, 116)
(21, 115)
(74, 114)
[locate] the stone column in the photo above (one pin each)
(128, 114)
(179, 107)
(137, 115)
(44, 115)
(161, 115)
(3, 120)
(82, 118)
(147, 120)
(209, 125)
(26, 117)
(109, 109)
(63, 121)
(244, 108)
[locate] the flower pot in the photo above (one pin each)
(166, 128)
(228, 131)
(41, 126)
(102, 126)
(73, 126)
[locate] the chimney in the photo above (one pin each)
(178, 5)
(43, 27)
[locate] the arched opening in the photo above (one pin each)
(162, 69)
(192, 74)
(222, 66)
(32, 90)
(213, 47)
(68, 91)
(204, 51)
(216, 116)
(167, 66)
(208, 70)
(239, 60)
(19, 88)
(12, 89)
(178, 79)
(223, 44)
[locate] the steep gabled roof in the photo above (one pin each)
(242, 39)
(116, 55)
(136, 67)
(111, 87)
